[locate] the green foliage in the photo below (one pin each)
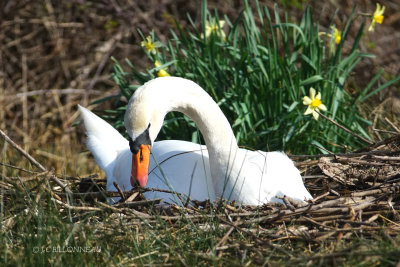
(258, 75)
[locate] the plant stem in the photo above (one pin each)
(345, 129)
(22, 151)
(33, 161)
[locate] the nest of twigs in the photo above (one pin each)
(354, 193)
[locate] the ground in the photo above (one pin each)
(57, 54)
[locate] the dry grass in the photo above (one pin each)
(56, 55)
(354, 217)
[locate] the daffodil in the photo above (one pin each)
(314, 104)
(377, 16)
(161, 72)
(215, 29)
(150, 45)
(337, 35)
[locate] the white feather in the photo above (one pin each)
(220, 170)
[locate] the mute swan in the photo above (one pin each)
(218, 170)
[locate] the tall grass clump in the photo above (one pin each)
(258, 68)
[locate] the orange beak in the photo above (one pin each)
(140, 165)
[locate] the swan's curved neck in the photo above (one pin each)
(156, 98)
(190, 99)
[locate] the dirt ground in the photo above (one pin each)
(56, 54)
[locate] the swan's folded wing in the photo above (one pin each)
(279, 176)
(182, 167)
(102, 139)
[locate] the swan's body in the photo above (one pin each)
(112, 154)
(220, 170)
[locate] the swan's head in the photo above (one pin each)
(143, 120)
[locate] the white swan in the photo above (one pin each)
(220, 170)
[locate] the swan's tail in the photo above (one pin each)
(102, 139)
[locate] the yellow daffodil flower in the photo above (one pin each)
(314, 104)
(150, 45)
(215, 29)
(337, 35)
(377, 17)
(161, 72)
